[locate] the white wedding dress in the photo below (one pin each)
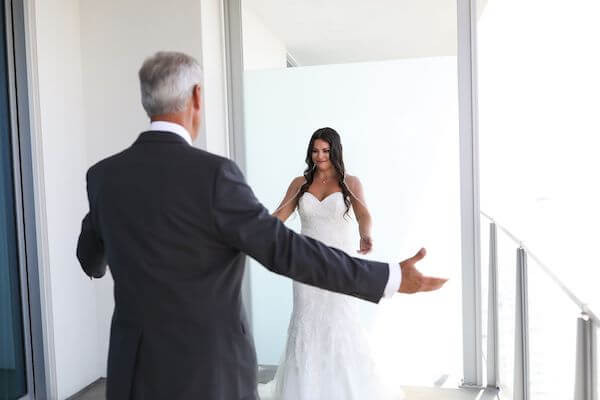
(327, 356)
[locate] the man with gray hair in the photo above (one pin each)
(173, 223)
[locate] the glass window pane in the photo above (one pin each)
(552, 320)
(538, 124)
(12, 359)
(506, 312)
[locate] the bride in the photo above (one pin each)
(327, 355)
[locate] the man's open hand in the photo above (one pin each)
(414, 281)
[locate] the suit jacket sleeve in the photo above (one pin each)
(247, 226)
(90, 248)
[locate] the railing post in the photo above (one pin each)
(492, 340)
(586, 366)
(521, 377)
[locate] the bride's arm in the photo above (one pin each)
(362, 213)
(289, 202)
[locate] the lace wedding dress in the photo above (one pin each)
(327, 356)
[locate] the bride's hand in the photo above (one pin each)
(366, 244)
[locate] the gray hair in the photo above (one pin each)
(167, 80)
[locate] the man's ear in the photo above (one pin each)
(197, 96)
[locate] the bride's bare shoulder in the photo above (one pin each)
(298, 181)
(353, 182)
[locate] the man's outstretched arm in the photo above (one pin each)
(247, 226)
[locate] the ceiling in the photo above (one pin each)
(341, 31)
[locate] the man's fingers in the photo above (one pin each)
(430, 283)
(419, 256)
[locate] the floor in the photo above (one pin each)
(96, 391)
(423, 393)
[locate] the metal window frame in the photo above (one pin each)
(232, 12)
(234, 77)
(18, 17)
(469, 165)
(18, 197)
(469, 182)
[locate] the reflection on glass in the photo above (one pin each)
(12, 366)
(383, 76)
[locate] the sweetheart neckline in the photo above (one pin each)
(324, 198)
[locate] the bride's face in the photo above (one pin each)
(320, 155)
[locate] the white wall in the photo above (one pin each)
(215, 98)
(398, 121)
(61, 102)
(116, 37)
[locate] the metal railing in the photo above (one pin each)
(586, 350)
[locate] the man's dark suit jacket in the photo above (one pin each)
(174, 222)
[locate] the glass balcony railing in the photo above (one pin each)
(540, 340)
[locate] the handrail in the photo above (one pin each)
(583, 306)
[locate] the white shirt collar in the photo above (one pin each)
(172, 127)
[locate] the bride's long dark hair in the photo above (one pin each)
(335, 156)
